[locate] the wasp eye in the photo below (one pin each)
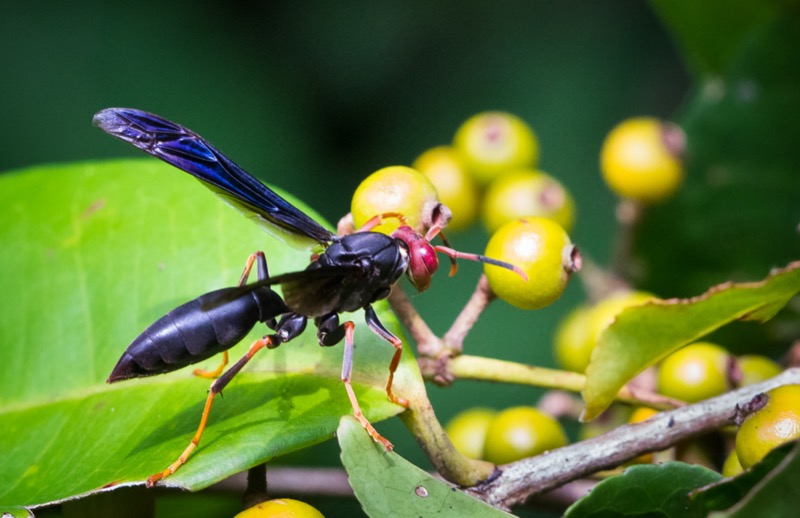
(422, 264)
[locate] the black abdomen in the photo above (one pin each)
(196, 331)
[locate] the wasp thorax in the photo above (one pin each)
(422, 259)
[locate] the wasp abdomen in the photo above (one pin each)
(196, 331)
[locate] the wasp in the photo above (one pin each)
(351, 273)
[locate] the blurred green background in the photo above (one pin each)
(313, 97)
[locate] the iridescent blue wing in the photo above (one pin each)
(189, 152)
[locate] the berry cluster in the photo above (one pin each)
(491, 170)
(490, 167)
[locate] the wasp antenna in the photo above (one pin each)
(455, 254)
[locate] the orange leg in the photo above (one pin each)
(216, 388)
(378, 328)
(202, 373)
(393, 367)
(347, 368)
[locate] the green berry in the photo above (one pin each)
(527, 192)
(519, 432)
(467, 431)
(494, 142)
(778, 422)
(541, 249)
(641, 159)
(445, 169)
(694, 373)
(394, 189)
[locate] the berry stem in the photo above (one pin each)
(490, 369)
(477, 303)
(598, 282)
(256, 490)
(623, 264)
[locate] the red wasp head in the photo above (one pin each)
(422, 259)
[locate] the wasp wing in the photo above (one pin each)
(316, 291)
(189, 152)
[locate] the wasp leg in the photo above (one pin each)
(215, 389)
(378, 328)
(202, 373)
(329, 332)
(347, 368)
(377, 219)
(263, 273)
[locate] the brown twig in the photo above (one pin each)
(477, 303)
(428, 344)
(544, 472)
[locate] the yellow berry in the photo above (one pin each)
(696, 372)
(778, 422)
(394, 189)
(519, 432)
(494, 142)
(756, 368)
(527, 192)
(467, 431)
(572, 345)
(639, 415)
(445, 169)
(641, 159)
(541, 249)
(281, 508)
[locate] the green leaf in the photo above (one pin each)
(642, 335)
(388, 485)
(766, 489)
(92, 254)
(645, 490)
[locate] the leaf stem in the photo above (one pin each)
(421, 421)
